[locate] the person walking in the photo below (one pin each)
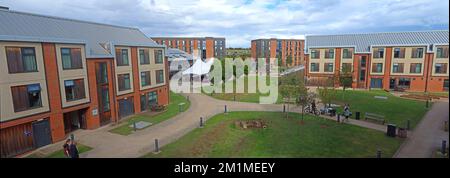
(66, 148)
(73, 150)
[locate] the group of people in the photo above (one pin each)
(70, 149)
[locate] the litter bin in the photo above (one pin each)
(402, 133)
(357, 115)
(391, 128)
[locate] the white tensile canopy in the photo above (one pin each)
(199, 67)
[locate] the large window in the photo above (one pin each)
(415, 68)
(314, 67)
(347, 53)
(102, 74)
(145, 78)
(398, 68)
(71, 58)
(377, 67)
(315, 54)
(378, 53)
(158, 57)
(74, 89)
(329, 53)
(440, 68)
(26, 97)
(124, 82)
(399, 52)
(21, 60)
(446, 84)
(122, 57)
(442, 52)
(143, 56)
(159, 76)
(417, 53)
(328, 67)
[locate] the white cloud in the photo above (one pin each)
(243, 20)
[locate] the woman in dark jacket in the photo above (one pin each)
(73, 150)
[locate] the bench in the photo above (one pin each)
(374, 117)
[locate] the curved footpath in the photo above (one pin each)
(106, 144)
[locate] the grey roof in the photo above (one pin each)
(20, 26)
(174, 53)
(363, 42)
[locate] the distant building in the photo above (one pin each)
(290, 51)
(208, 47)
(411, 61)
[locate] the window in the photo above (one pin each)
(158, 57)
(122, 57)
(446, 84)
(415, 68)
(329, 54)
(347, 66)
(159, 76)
(145, 78)
(417, 53)
(314, 67)
(102, 74)
(398, 68)
(71, 58)
(440, 68)
(74, 89)
(377, 67)
(315, 54)
(362, 75)
(21, 60)
(105, 99)
(328, 67)
(378, 52)
(404, 83)
(153, 98)
(143, 56)
(26, 97)
(363, 61)
(124, 82)
(442, 52)
(347, 53)
(399, 52)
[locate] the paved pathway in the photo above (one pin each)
(137, 144)
(428, 134)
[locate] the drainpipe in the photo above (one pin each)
(113, 77)
(427, 74)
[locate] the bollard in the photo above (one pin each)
(225, 108)
(134, 126)
(338, 118)
(284, 108)
(408, 124)
(427, 103)
(72, 137)
(156, 146)
(201, 122)
(357, 115)
(444, 147)
(378, 153)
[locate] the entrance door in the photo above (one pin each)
(376, 83)
(126, 107)
(392, 84)
(41, 133)
(74, 120)
(104, 108)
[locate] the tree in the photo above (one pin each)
(290, 89)
(326, 93)
(288, 60)
(345, 77)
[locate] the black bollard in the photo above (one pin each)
(444, 147)
(284, 108)
(427, 103)
(201, 122)
(378, 153)
(358, 115)
(408, 124)
(156, 146)
(338, 118)
(225, 109)
(134, 126)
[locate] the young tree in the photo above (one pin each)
(289, 89)
(345, 77)
(326, 93)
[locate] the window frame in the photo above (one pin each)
(27, 106)
(159, 52)
(21, 58)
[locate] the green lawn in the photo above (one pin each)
(60, 153)
(316, 137)
(171, 111)
(395, 109)
(243, 97)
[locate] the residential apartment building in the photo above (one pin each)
(411, 61)
(58, 75)
(208, 47)
(290, 51)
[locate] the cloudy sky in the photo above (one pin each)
(240, 21)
